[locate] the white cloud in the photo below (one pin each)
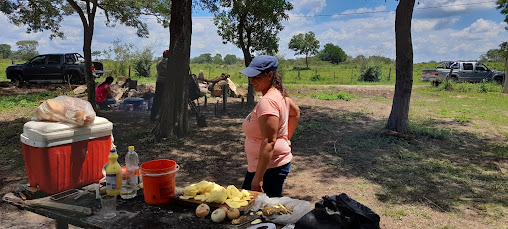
(437, 38)
(479, 30)
(361, 11)
(456, 5)
(312, 7)
(447, 8)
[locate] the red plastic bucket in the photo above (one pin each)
(159, 180)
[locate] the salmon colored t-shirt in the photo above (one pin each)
(272, 103)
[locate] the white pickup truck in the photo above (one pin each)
(462, 72)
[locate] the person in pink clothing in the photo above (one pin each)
(268, 129)
(103, 94)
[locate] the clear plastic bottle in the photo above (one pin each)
(130, 189)
(113, 174)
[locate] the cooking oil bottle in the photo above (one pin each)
(113, 174)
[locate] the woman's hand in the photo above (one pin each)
(257, 184)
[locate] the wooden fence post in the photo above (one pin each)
(351, 76)
(389, 73)
(225, 89)
(216, 108)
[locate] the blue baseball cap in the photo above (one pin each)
(260, 64)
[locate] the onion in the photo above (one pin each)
(202, 210)
(218, 215)
(233, 213)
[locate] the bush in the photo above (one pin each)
(482, 87)
(316, 78)
(143, 62)
(370, 74)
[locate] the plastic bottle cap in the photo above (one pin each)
(113, 151)
(131, 147)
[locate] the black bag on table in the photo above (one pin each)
(339, 212)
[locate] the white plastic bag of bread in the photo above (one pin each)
(66, 109)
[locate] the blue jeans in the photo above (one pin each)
(110, 101)
(273, 180)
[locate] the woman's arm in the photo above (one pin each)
(269, 127)
(294, 116)
(110, 94)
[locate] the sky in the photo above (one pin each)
(441, 30)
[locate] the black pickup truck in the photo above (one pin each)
(51, 68)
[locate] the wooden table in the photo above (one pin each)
(133, 213)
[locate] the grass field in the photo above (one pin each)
(452, 175)
(293, 71)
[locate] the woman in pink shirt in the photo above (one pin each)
(103, 95)
(268, 129)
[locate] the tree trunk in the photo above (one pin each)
(306, 62)
(398, 120)
(173, 113)
(88, 21)
(87, 52)
(505, 79)
(250, 91)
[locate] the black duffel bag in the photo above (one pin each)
(339, 212)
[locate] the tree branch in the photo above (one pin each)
(79, 11)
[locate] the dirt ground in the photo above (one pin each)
(323, 164)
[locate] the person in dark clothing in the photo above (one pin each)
(162, 68)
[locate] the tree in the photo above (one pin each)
(503, 50)
(503, 5)
(333, 54)
(398, 120)
(40, 15)
(230, 59)
(27, 49)
(304, 44)
(203, 58)
(493, 55)
(251, 25)
(96, 54)
(217, 59)
(142, 60)
(5, 49)
(123, 56)
(173, 114)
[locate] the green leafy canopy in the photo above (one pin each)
(43, 15)
(252, 25)
(304, 44)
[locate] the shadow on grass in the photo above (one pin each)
(439, 171)
(12, 165)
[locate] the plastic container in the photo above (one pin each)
(159, 180)
(60, 156)
(113, 174)
(130, 183)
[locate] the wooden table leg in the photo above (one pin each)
(60, 224)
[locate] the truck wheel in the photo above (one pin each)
(16, 77)
(499, 80)
(72, 77)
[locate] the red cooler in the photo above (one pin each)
(60, 156)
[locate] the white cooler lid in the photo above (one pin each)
(48, 134)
